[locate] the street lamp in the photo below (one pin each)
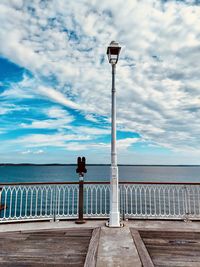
(114, 219)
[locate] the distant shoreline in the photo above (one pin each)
(59, 164)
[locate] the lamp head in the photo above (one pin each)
(113, 51)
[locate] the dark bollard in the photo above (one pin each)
(81, 170)
(80, 202)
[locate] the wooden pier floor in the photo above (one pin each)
(138, 243)
(46, 248)
(172, 248)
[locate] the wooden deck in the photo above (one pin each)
(45, 248)
(168, 248)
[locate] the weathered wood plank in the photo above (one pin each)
(91, 257)
(173, 242)
(169, 234)
(142, 251)
(74, 229)
(177, 249)
(175, 264)
(49, 248)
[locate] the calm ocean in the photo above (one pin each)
(12, 174)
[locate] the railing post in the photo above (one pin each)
(54, 203)
(122, 200)
(186, 219)
(80, 201)
(1, 205)
(0, 199)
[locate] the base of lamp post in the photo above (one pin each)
(120, 225)
(114, 219)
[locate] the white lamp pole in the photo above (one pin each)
(114, 219)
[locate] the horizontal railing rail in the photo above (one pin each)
(98, 182)
(56, 201)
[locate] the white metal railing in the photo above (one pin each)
(22, 202)
(154, 201)
(161, 201)
(38, 202)
(30, 202)
(96, 200)
(66, 201)
(193, 201)
(52, 201)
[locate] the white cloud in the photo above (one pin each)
(122, 144)
(4, 111)
(47, 140)
(26, 152)
(92, 130)
(46, 124)
(58, 119)
(157, 74)
(126, 142)
(40, 151)
(71, 142)
(6, 108)
(74, 146)
(57, 97)
(91, 117)
(57, 112)
(37, 152)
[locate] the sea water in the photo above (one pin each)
(17, 174)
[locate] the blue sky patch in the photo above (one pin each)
(10, 71)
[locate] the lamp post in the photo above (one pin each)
(113, 51)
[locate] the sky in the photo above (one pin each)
(55, 81)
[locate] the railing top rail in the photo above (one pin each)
(37, 183)
(97, 183)
(161, 183)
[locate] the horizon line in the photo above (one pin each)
(94, 164)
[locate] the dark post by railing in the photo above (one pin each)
(81, 169)
(1, 205)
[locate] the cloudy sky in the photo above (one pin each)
(55, 81)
